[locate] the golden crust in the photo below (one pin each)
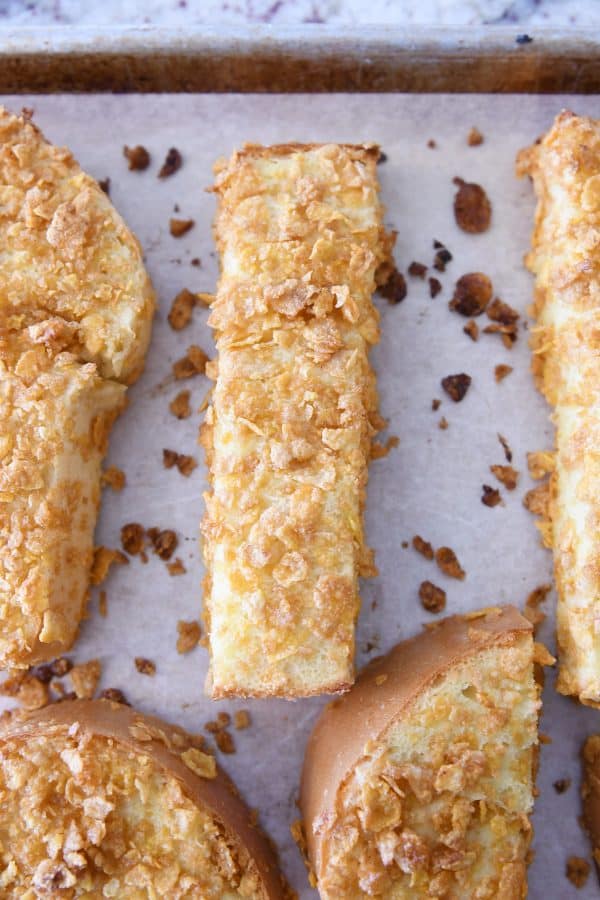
(75, 314)
(419, 781)
(102, 801)
(565, 257)
(300, 235)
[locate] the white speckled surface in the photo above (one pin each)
(530, 13)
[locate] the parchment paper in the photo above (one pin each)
(430, 485)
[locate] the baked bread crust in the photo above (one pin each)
(95, 742)
(565, 258)
(76, 308)
(374, 797)
(300, 235)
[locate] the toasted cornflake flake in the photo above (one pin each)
(182, 307)
(505, 446)
(498, 311)
(145, 666)
(456, 386)
(394, 288)
(164, 543)
(501, 371)
(133, 538)
(379, 450)
(30, 691)
(442, 256)
(104, 558)
(193, 363)
(203, 764)
(173, 162)
(474, 137)
(472, 293)
(224, 741)
(288, 436)
(185, 464)
(432, 597)
(85, 678)
(472, 329)
(537, 500)
(423, 547)
(435, 287)
(577, 870)
(241, 719)
(541, 463)
(176, 567)
(435, 404)
(189, 635)
(417, 270)
(443, 423)
(506, 475)
(447, 561)
(472, 208)
(137, 157)
(114, 478)
(180, 405)
(490, 496)
(179, 227)
(114, 695)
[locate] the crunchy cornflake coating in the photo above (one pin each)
(75, 316)
(299, 230)
(565, 168)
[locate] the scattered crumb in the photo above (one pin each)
(474, 137)
(189, 635)
(442, 256)
(27, 689)
(176, 567)
(507, 451)
(443, 423)
(523, 39)
(447, 561)
(541, 463)
(561, 785)
(241, 719)
(164, 542)
(202, 764)
(196, 261)
(577, 870)
(180, 405)
(185, 464)
(114, 478)
(491, 496)
(58, 668)
(472, 208)
(545, 738)
(85, 678)
(132, 538)
(508, 333)
(423, 547)
(181, 310)
(394, 288)
(435, 286)
(498, 311)
(435, 404)
(114, 695)
(502, 371)
(379, 450)
(432, 597)
(417, 270)
(204, 299)
(405, 545)
(179, 227)
(193, 363)
(102, 604)
(103, 560)
(472, 293)
(173, 162)
(456, 386)
(224, 741)
(138, 158)
(145, 666)
(536, 500)
(104, 185)
(472, 329)
(506, 475)
(431, 144)
(382, 158)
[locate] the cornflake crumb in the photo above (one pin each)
(431, 144)
(537, 499)
(200, 763)
(394, 288)
(193, 363)
(103, 560)
(474, 137)
(145, 666)
(432, 597)
(102, 604)
(505, 446)
(531, 610)
(508, 333)
(114, 478)
(423, 547)
(224, 741)
(104, 185)
(241, 719)
(502, 371)
(176, 567)
(472, 293)
(577, 870)
(164, 543)
(561, 785)
(180, 405)
(181, 310)
(27, 689)
(442, 256)
(435, 404)
(173, 162)
(114, 695)
(472, 329)
(541, 463)
(204, 299)
(435, 286)
(417, 270)
(85, 678)
(189, 635)
(448, 562)
(472, 207)
(506, 475)
(498, 311)
(133, 538)
(179, 227)
(443, 423)
(185, 464)
(456, 386)
(490, 496)
(379, 450)
(138, 158)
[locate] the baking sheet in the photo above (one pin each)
(430, 485)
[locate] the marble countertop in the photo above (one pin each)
(530, 13)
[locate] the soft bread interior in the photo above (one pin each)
(438, 805)
(83, 816)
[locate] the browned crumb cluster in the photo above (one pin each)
(164, 541)
(474, 137)
(442, 256)
(577, 870)
(173, 162)
(537, 500)
(472, 207)
(456, 386)
(435, 286)
(114, 478)
(184, 464)
(134, 538)
(138, 158)
(176, 567)
(181, 310)
(394, 287)
(145, 666)
(179, 227)
(193, 363)
(472, 329)
(189, 635)
(104, 558)
(506, 475)
(443, 423)
(423, 547)
(490, 496)
(502, 371)
(180, 405)
(379, 450)
(241, 719)
(432, 597)
(448, 562)
(417, 270)
(505, 446)
(85, 677)
(472, 293)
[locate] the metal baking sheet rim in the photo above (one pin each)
(315, 58)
